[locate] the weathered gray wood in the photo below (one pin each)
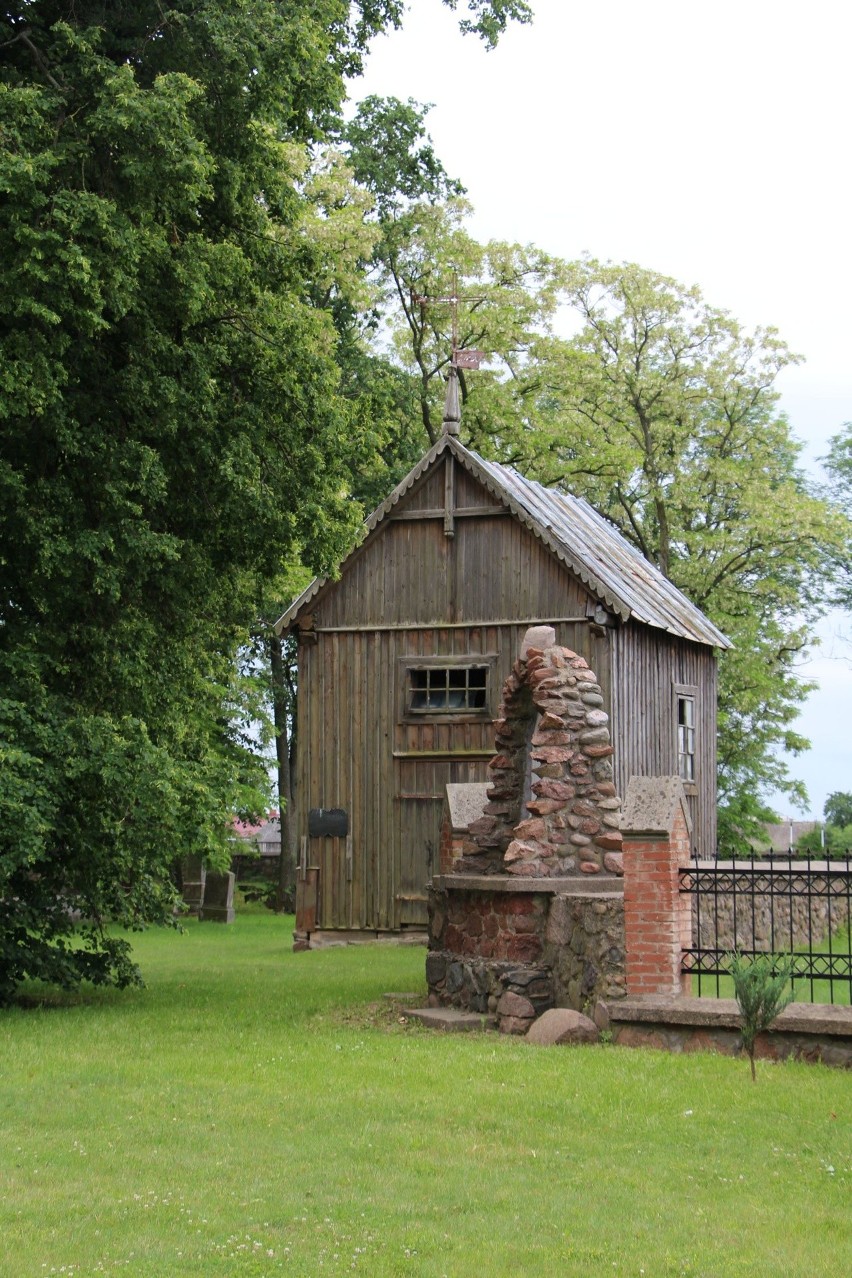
(647, 665)
(466, 512)
(449, 497)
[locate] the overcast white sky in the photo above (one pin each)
(707, 141)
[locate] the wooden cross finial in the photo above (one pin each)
(460, 358)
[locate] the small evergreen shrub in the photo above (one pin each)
(760, 987)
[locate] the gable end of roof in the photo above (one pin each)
(587, 544)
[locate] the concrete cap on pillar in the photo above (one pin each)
(652, 804)
(540, 637)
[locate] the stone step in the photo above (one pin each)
(450, 1019)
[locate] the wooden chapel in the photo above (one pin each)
(403, 656)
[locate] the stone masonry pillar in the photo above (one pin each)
(656, 830)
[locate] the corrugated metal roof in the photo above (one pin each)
(586, 542)
(604, 559)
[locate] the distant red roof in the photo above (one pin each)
(245, 830)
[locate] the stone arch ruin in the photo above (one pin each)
(552, 809)
(530, 913)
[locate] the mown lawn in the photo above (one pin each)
(805, 989)
(259, 1112)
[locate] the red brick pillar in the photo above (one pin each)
(656, 830)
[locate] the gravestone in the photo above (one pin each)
(193, 875)
(218, 906)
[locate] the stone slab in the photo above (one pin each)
(217, 914)
(802, 1018)
(582, 885)
(194, 874)
(331, 938)
(540, 637)
(218, 906)
(466, 802)
(193, 896)
(450, 1019)
(650, 806)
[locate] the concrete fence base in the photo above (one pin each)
(804, 1031)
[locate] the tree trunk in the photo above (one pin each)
(281, 709)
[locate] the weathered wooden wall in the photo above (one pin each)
(646, 667)
(410, 572)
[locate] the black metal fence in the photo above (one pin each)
(797, 906)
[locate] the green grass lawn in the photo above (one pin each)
(804, 989)
(259, 1112)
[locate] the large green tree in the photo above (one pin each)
(172, 426)
(509, 298)
(667, 417)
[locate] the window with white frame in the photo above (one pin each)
(685, 729)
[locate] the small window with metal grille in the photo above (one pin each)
(447, 690)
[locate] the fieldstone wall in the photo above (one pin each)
(552, 806)
(486, 954)
(502, 925)
(804, 1031)
(512, 996)
(584, 948)
(527, 913)
(514, 953)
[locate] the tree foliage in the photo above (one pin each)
(509, 298)
(838, 808)
(829, 839)
(489, 18)
(697, 467)
(838, 464)
(835, 837)
(176, 426)
(674, 433)
(392, 156)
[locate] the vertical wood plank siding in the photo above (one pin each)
(352, 742)
(647, 664)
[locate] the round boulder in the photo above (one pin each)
(562, 1025)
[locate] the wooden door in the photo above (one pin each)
(418, 834)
